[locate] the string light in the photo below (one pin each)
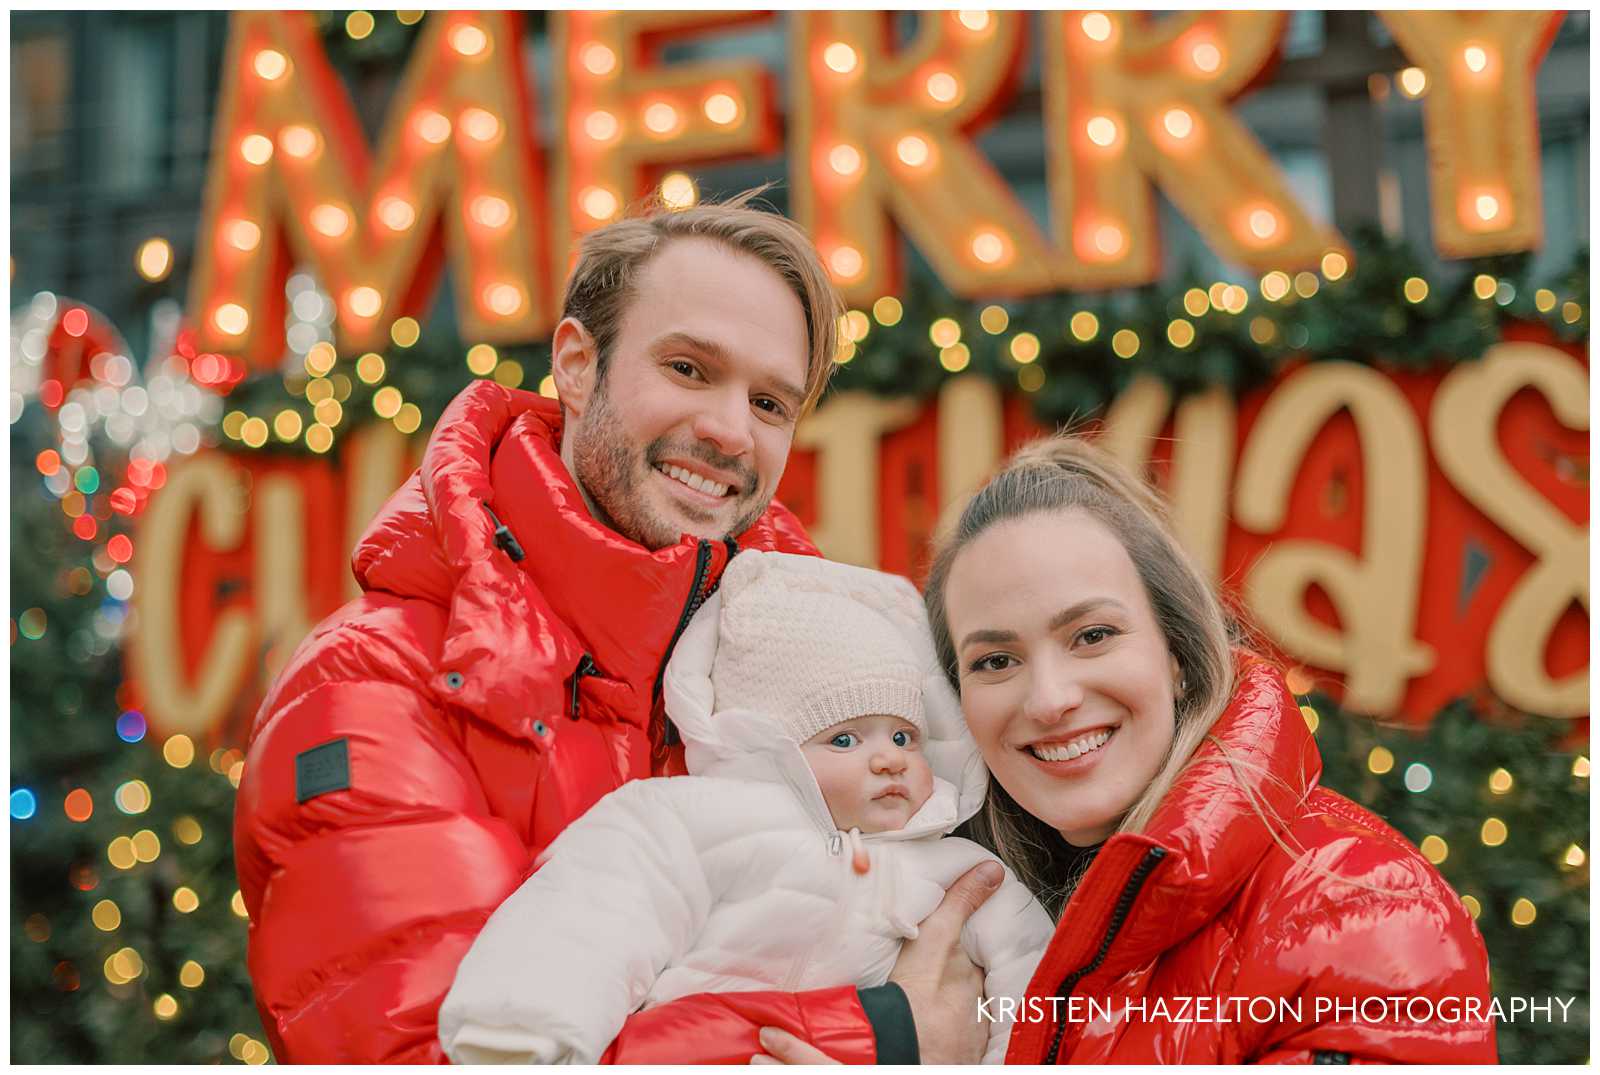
(405, 331)
(1275, 285)
(943, 87)
(1084, 326)
(299, 141)
(1413, 82)
(846, 262)
(1095, 26)
(1580, 767)
(944, 332)
(1102, 130)
(994, 319)
(1484, 286)
(601, 125)
(955, 357)
(989, 247)
(503, 298)
(1025, 347)
(1523, 912)
(1415, 289)
(256, 149)
(271, 64)
(1178, 123)
(481, 359)
(1434, 849)
(243, 234)
(187, 830)
(1180, 332)
(154, 259)
(598, 59)
(912, 150)
(1030, 378)
(1380, 760)
(598, 202)
(1334, 265)
(178, 751)
(1475, 58)
(678, 190)
(721, 109)
(1500, 781)
(1313, 721)
(976, 21)
(845, 159)
(1305, 284)
(1207, 58)
(364, 301)
(888, 311)
(1418, 777)
(840, 58)
(1574, 857)
(480, 125)
(469, 40)
(330, 220)
(358, 24)
(432, 127)
(1125, 343)
(1493, 833)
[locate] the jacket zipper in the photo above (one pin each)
(1130, 892)
(835, 847)
(586, 667)
(702, 562)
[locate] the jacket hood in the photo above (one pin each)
(752, 744)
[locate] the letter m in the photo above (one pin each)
(291, 183)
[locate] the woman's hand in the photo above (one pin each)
(783, 1047)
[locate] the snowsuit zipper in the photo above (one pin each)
(1130, 892)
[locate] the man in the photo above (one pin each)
(501, 672)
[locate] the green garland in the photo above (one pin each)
(1364, 316)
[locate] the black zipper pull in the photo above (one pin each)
(586, 667)
(503, 536)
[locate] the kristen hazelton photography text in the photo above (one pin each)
(402, 421)
(1294, 1010)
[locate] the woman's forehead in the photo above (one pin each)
(1054, 559)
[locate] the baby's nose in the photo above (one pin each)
(889, 760)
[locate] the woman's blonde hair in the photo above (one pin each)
(610, 258)
(1066, 473)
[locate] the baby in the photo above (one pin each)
(828, 761)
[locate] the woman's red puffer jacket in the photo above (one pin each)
(1327, 914)
(429, 738)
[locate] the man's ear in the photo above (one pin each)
(574, 363)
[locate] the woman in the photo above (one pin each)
(1158, 791)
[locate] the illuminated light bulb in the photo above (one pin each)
(1263, 223)
(1178, 122)
(359, 24)
(955, 358)
(146, 846)
(840, 58)
(1574, 856)
(508, 373)
(845, 159)
(1025, 347)
(1500, 781)
(678, 191)
(1493, 833)
(547, 387)
(1102, 130)
(1434, 849)
(598, 59)
(1096, 26)
(1418, 777)
(1234, 299)
(1305, 284)
(491, 211)
(660, 118)
(106, 916)
(318, 390)
(287, 425)
(386, 401)
(1570, 313)
(1475, 58)
(855, 326)
(721, 109)
(1380, 760)
(601, 125)
(298, 141)
(191, 974)
(320, 359)
(328, 413)
(481, 359)
(504, 299)
(976, 21)
(945, 332)
(254, 432)
(1262, 330)
(1544, 300)
(319, 437)
(1180, 332)
(271, 64)
(409, 418)
(1109, 240)
(1487, 206)
(1085, 326)
(1413, 82)
(364, 301)
(912, 150)
(409, 18)
(1474, 908)
(370, 368)
(1334, 265)
(1125, 343)
(846, 262)
(1523, 912)
(994, 319)
(943, 87)
(1313, 721)
(397, 214)
(469, 40)
(433, 127)
(185, 900)
(1196, 301)
(1030, 378)
(1415, 289)
(1484, 286)
(330, 220)
(178, 751)
(1274, 285)
(989, 247)
(154, 259)
(598, 202)
(1206, 57)
(237, 903)
(845, 353)
(888, 311)
(231, 318)
(256, 149)
(243, 234)
(480, 125)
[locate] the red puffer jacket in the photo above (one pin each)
(1174, 933)
(428, 739)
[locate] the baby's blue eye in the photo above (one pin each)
(902, 739)
(844, 740)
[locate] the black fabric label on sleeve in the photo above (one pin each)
(322, 769)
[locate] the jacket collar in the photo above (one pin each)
(517, 630)
(1205, 840)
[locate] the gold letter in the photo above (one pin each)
(845, 435)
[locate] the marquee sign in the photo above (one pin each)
(879, 139)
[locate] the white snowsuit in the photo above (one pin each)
(734, 878)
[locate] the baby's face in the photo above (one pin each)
(872, 772)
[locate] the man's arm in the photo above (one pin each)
(364, 897)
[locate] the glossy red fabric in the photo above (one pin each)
(451, 682)
(1230, 909)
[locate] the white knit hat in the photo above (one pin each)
(812, 646)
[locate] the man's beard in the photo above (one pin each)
(613, 472)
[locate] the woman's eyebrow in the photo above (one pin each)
(1058, 621)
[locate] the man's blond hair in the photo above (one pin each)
(610, 258)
